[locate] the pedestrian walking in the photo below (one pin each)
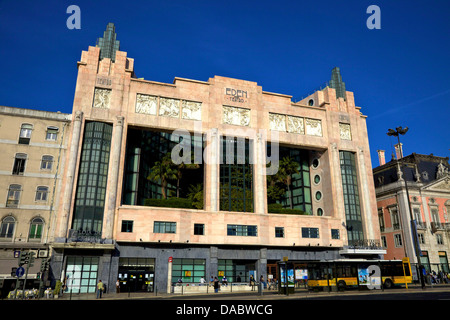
(117, 286)
(100, 289)
(216, 285)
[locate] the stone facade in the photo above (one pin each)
(110, 93)
(33, 145)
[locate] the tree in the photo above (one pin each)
(196, 195)
(288, 167)
(179, 171)
(163, 171)
(275, 188)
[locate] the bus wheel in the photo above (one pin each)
(341, 285)
(388, 284)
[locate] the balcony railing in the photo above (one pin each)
(85, 236)
(365, 244)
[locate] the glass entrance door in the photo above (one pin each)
(136, 280)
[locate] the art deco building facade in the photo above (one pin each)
(425, 180)
(129, 211)
(33, 145)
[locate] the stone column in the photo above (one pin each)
(70, 176)
(213, 263)
(213, 166)
(116, 146)
(262, 264)
(259, 160)
(365, 194)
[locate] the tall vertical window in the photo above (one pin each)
(47, 163)
(439, 238)
(52, 133)
(398, 240)
(381, 220)
(443, 261)
(25, 133)
(19, 164)
(7, 227)
(291, 185)
(351, 197)
(236, 175)
(13, 195)
(92, 178)
(395, 219)
(36, 228)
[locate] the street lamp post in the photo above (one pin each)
(396, 133)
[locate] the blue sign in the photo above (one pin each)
(20, 272)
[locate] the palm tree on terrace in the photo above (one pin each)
(180, 168)
(288, 167)
(163, 171)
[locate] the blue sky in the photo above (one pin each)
(400, 74)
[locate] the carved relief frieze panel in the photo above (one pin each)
(313, 127)
(345, 131)
(102, 98)
(277, 122)
(295, 124)
(146, 104)
(236, 116)
(191, 110)
(169, 107)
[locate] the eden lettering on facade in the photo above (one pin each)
(236, 95)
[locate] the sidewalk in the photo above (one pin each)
(266, 294)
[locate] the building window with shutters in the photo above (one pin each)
(19, 164)
(36, 227)
(41, 193)
(7, 228)
(52, 133)
(25, 133)
(398, 240)
(14, 192)
(47, 163)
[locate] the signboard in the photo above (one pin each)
(301, 274)
(286, 276)
(20, 272)
(170, 259)
(369, 275)
(235, 95)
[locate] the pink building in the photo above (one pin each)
(426, 179)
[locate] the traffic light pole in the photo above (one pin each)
(29, 264)
(22, 261)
